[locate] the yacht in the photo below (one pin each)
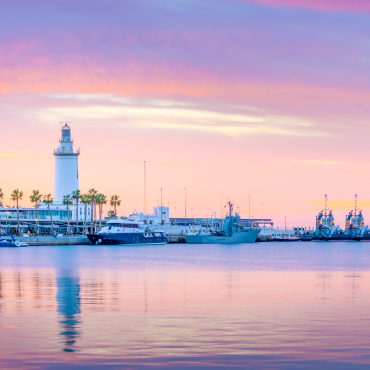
(130, 232)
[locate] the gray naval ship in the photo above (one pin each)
(232, 232)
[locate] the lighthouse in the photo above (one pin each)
(66, 166)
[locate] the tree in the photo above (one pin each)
(35, 197)
(49, 200)
(76, 196)
(1, 196)
(67, 201)
(101, 199)
(16, 196)
(111, 214)
(114, 202)
(85, 200)
(92, 192)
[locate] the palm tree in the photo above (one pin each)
(85, 200)
(67, 201)
(76, 196)
(35, 197)
(49, 200)
(114, 202)
(16, 196)
(92, 193)
(101, 199)
(111, 214)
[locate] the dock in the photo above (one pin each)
(50, 240)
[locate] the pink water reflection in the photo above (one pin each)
(183, 318)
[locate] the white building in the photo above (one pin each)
(66, 166)
(156, 216)
(66, 180)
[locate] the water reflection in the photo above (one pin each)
(68, 307)
(106, 307)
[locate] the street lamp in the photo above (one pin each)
(262, 210)
(6, 223)
(185, 209)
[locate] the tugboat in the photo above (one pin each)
(232, 232)
(325, 227)
(357, 227)
(354, 226)
(129, 232)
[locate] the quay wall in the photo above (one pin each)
(60, 240)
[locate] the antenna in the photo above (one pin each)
(145, 203)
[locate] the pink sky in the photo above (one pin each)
(267, 98)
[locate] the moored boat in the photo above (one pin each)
(129, 232)
(325, 226)
(232, 232)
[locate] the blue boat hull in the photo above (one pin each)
(127, 239)
(6, 243)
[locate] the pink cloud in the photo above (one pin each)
(326, 5)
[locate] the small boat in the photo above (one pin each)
(286, 238)
(305, 238)
(7, 243)
(12, 242)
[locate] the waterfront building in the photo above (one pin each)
(156, 216)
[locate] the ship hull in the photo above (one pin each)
(127, 239)
(341, 238)
(236, 238)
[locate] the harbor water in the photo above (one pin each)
(264, 305)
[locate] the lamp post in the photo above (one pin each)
(285, 223)
(185, 208)
(161, 208)
(6, 223)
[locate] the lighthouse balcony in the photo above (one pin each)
(66, 151)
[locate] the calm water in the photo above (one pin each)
(266, 306)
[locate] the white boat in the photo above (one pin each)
(232, 232)
(129, 232)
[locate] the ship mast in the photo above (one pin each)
(326, 204)
(356, 196)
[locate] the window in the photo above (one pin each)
(80, 211)
(88, 211)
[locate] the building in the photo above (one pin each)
(66, 166)
(156, 216)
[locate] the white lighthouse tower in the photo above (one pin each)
(66, 166)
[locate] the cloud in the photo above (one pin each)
(321, 161)
(167, 115)
(15, 155)
(357, 6)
